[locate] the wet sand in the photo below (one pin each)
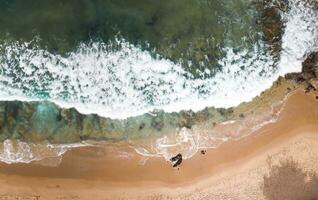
(239, 169)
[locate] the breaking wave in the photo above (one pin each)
(129, 81)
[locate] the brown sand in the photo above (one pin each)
(279, 161)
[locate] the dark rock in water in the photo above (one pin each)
(309, 70)
(177, 160)
(272, 23)
(203, 152)
(297, 77)
(310, 66)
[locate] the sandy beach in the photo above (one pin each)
(279, 161)
(159, 100)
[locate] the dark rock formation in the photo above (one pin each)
(310, 66)
(176, 160)
(272, 23)
(309, 70)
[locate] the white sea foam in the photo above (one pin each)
(128, 82)
(300, 35)
(23, 152)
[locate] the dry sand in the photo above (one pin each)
(279, 161)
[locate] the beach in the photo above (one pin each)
(139, 99)
(235, 170)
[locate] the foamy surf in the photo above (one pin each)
(188, 142)
(300, 35)
(15, 151)
(129, 82)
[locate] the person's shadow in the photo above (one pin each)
(288, 181)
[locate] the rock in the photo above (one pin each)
(309, 73)
(310, 88)
(314, 83)
(310, 66)
(297, 77)
(177, 160)
(203, 152)
(272, 23)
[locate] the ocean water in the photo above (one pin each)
(120, 59)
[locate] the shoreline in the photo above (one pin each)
(54, 130)
(124, 113)
(91, 167)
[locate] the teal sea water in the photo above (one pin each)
(178, 30)
(124, 58)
